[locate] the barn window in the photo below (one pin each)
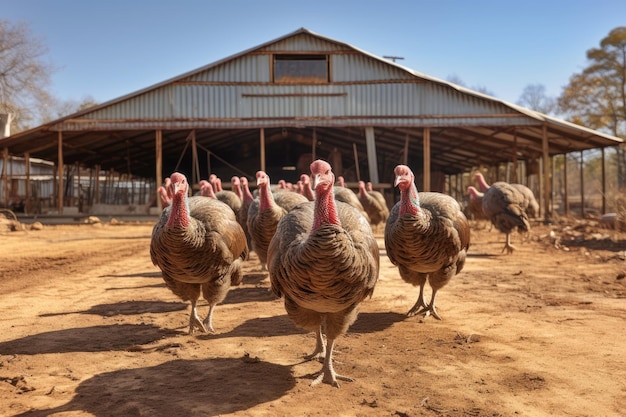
(292, 69)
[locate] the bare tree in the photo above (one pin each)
(24, 74)
(454, 79)
(534, 97)
(59, 108)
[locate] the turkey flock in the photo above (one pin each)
(316, 241)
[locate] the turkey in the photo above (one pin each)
(324, 261)
(348, 196)
(482, 184)
(475, 204)
(164, 193)
(529, 204)
(229, 197)
(503, 205)
(427, 237)
(374, 205)
(199, 247)
(242, 215)
(236, 187)
(288, 200)
(263, 217)
(377, 195)
(306, 189)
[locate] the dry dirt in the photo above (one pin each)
(88, 328)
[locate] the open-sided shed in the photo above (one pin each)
(285, 102)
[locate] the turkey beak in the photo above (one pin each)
(397, 181)
(316, 180)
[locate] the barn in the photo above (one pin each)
(277, 106)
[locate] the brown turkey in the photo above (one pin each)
(348, 196)
(242, 215)
(323, 260)
(306, 189)
(377, 195)
(227, 196)
(374, 205)
(503, 205)
(474, 204)
(199, 247)
(427, 237)
(263, 217)
(529, 203)
(164, 193)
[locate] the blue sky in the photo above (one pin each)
(109, 48)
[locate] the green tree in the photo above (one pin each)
(596, 97)
(24, 74)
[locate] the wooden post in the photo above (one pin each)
(195, 164)
(427, 159)
(370, 142)
(546, 172)
(356, 162)
(28, 204)
(5, 178)
(514, 173)
(582, 186)
(262, 145)
(603, 182)
(158, 145)
(97, 184)
(314, 145)
(405, 156)
(565, 193)
(61, 169)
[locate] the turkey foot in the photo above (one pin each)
(328, 374)
(320, 349)
(208, 321)
(507, 246)
(194, 320)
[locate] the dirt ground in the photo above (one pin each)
(87, 328)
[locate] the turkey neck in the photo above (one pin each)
(325, 209)
(179, 214)
(247, 195)
(266, 200)
(409, 201)
(482, 184)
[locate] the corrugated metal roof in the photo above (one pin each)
(227, 101)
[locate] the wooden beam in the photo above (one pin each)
(61, 169)
(370, 142)
(514, 173)
(426, 159)
(356, 162)
(262, 147)
(158, 151)
(565, 192)
(97, 183)
(405, 156)
(546, 172)
(582, 186)
(5, 179)
(603, 182)
(314, 145)
(28, 203)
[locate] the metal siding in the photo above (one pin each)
(383, 103)
(358, 68)
(248, 68)
(304, 43)
(379, 95)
